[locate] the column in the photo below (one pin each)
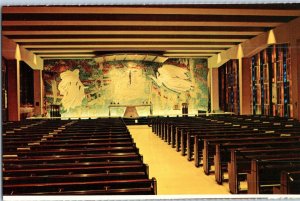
(245, 88)
(13, 90)
(214, 90)
(38, 101)
(295, 59)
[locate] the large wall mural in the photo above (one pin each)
(85, 88)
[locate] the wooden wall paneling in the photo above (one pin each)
(246, 87)
(13, 85)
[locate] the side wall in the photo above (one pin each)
(14, 54)
(286, 33)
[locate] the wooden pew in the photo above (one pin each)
(265, 173)
(98, 187)
(183, 129)
(59, 152)
(222, 154)
(187, 141)
(80, 157)
(56, 144)
(180, 137)
(67, 136)
(199, 141)
(176, 128)
(179, 130)
(160, 125)
(72, 158)
(186, 138)
(78, 169)
(11, 126)
(51, 140)
(168, 129)
(290, 182)
(209, 148)
(46, 179)
(70, 164)
(240, 161)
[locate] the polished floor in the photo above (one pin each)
(174, 173)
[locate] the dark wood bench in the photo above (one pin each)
(179, 131)
(110, 187)
(65, 136)
(209, 148)
(168, 127)
(222, 154)
(240, 161)
(180, 135)
(45, 146)
(265, 173)
(200, 140)
(87, 177)
(289, 182)
(78, 157)
(188, 139)
(59, 152)
(71, 159)
(56, 144)
(71, 164)
(125, 167)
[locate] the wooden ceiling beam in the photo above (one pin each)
(122, 49)
(93, 55)
(121, 43)
(62, 51)
(134, 28)
(177, 31)
(196, 57)
(140, 23)
(126, 36)
(119, 18)
(127, 40)
(149, 10)
(67, 55)
(195, 51)
(83, 51)
(187, 55)
(136, 32)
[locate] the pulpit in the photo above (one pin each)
(130, 111)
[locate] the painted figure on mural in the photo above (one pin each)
(72, 89)
(91, 90)
(173, 78)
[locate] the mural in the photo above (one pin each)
(85, 88)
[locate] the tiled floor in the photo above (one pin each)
(175, 175)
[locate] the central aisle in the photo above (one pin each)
(175, 175)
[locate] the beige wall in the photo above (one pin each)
(11, 51)
(285, 33)
(14, 54)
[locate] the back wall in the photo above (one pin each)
(85, 88)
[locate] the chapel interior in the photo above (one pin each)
(170, 99)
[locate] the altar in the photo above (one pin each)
(130, 111)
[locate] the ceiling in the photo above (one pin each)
(168, 30)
